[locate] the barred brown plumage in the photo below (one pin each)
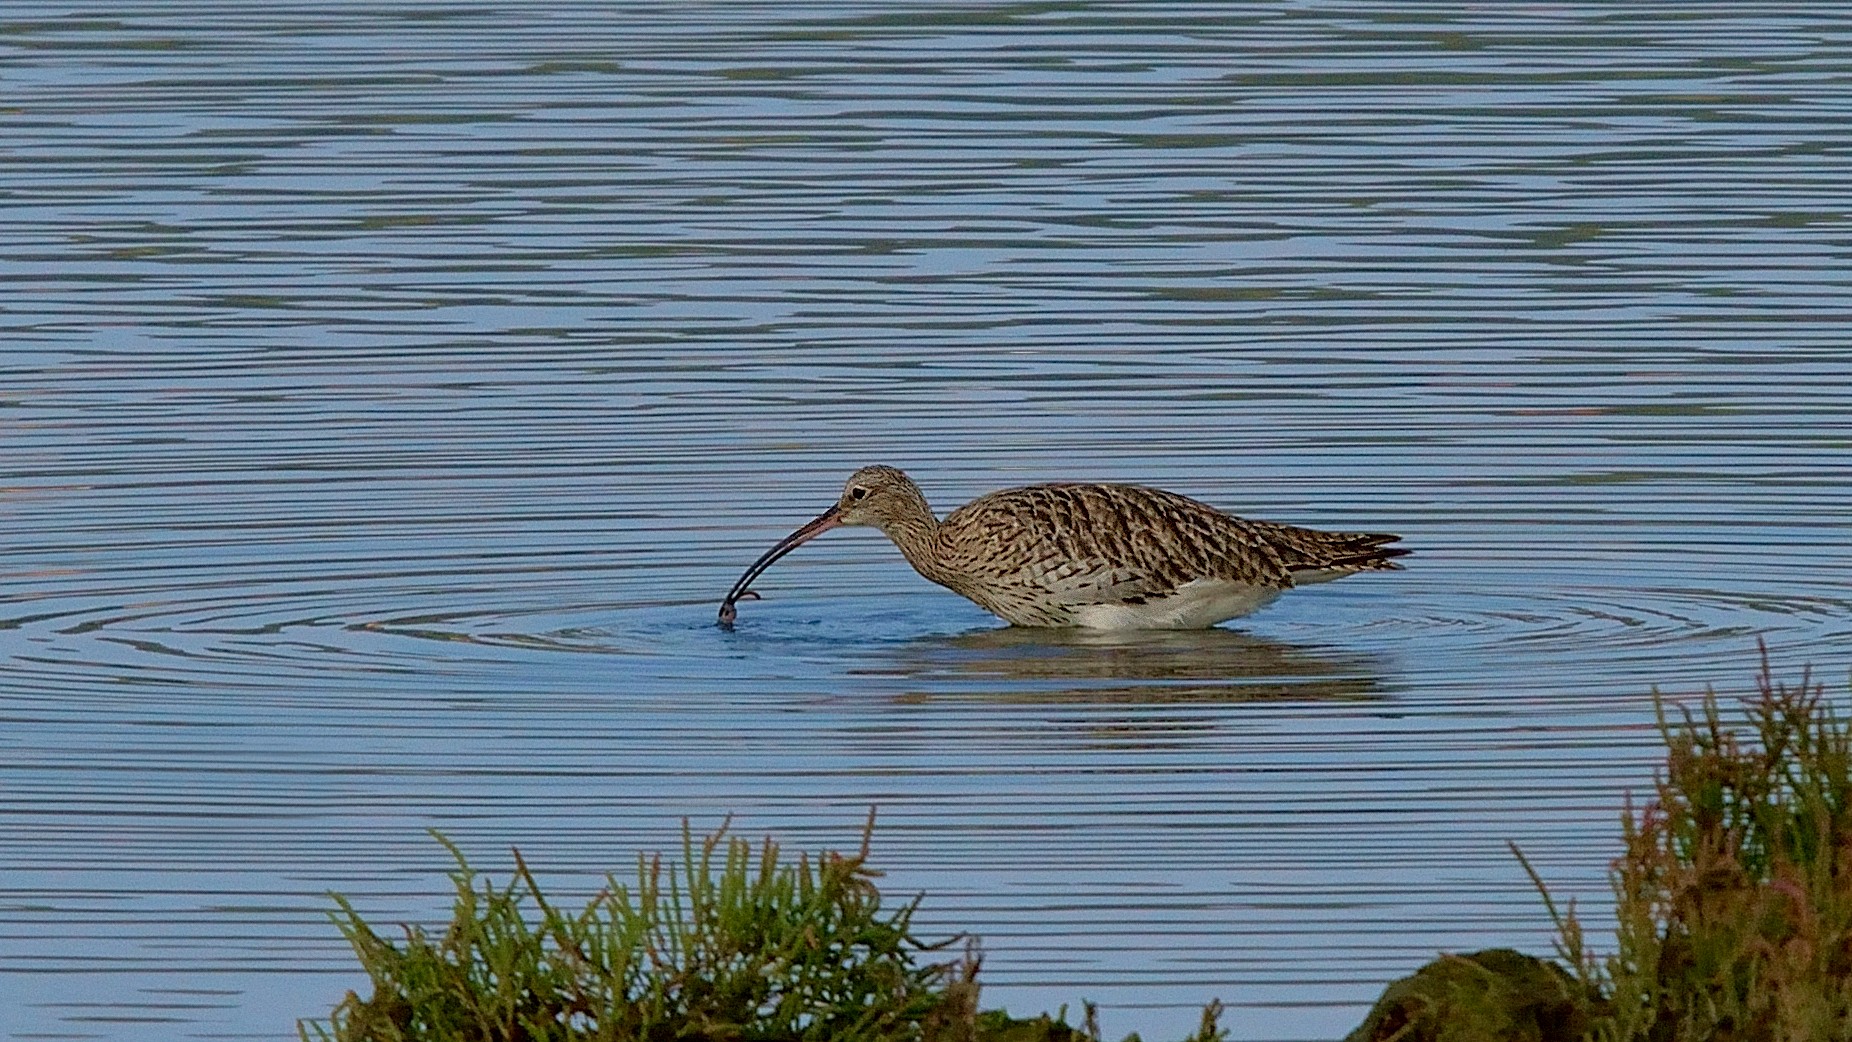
(1094, 555)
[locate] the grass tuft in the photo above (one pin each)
(736, 943)
(1733, 893)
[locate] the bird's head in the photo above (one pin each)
(880, 497)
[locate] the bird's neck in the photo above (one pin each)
(914, 536)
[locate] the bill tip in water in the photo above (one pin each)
(727, 610)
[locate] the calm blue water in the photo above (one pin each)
(389, 393)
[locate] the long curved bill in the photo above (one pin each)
(823, 522)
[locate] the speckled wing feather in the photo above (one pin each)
(1124, 544)
(1109, 543)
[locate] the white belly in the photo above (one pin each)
(1195, 605)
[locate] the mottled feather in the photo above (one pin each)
(1045, 550)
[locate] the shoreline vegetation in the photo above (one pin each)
(1733, 906)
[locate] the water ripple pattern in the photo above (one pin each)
(389, 392)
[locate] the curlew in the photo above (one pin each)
(1095, 556)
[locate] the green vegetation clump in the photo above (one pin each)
(1496, 995)
(735, 945)
(1733, 900)
(1733, 894)
(1734, 889)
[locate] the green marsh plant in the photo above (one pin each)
(1733, 893)
(735, 943)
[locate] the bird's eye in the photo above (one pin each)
(858, 492)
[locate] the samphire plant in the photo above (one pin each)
(736, 943)
(1733, 893)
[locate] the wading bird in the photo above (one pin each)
(1114, 557)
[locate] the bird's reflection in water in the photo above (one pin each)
(1021, 664)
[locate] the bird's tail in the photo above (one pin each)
(1346, 553)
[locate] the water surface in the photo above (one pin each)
(389, 394)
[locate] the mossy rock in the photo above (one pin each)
(998, 1026)
(1496, 995)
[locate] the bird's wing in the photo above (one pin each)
(1098, 581)
(1110, 544)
